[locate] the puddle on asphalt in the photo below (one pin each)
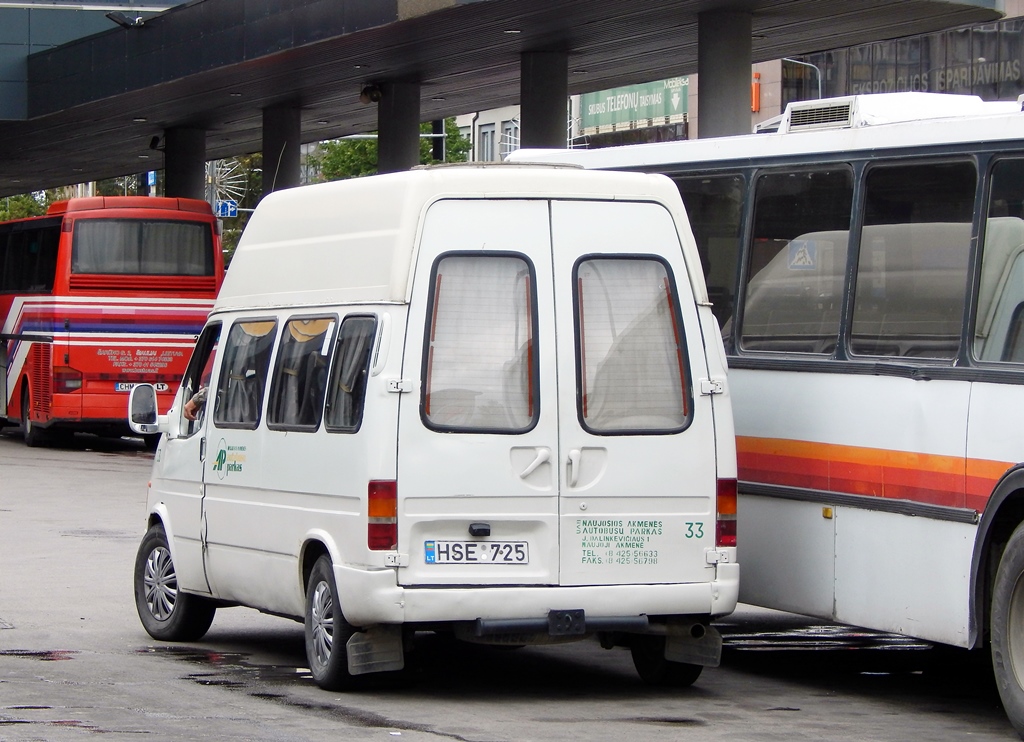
(106, 534)
(235, 672)
(233, 663)
(46, 655)
(667, 721)
(67, 723)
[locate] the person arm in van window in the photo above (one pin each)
(195, 404)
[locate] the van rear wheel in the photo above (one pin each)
(167, 613)
(327, 631)
(650, 663)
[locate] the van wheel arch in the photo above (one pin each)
(312, 550)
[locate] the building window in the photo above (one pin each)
(509, 137)
(485, 150)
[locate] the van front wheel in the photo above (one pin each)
(650, 663)
(327, 631)
(167, 613)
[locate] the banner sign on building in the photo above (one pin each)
(659, 102)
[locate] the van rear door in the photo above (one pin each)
(637, 502)
(477, 447)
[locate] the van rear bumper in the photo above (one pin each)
(372, 597)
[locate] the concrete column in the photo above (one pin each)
(398, 127)
(185, 162)
(723, 73)
(543, 99)
(282, 132)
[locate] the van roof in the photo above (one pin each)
(353, 241)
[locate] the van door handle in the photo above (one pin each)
(574, 466)
(543, 456)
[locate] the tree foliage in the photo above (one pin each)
(352, 158)
(25, 204)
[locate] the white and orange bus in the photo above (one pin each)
(866, 261)
(96, 296)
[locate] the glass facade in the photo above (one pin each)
(982, 60)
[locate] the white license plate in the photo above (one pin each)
(476, 552)
(127, 386)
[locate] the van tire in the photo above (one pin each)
(327, 631)
(650, 663)
(1007, 629)
(167, 613)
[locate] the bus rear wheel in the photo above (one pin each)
(32, 434)
(1007, 629)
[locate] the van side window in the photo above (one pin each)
(632, 369)
(243, 374)
(349, 370)
(198, 376)
(480, 365)
(300, 374)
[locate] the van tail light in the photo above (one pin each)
(725, 527)
(66, 380)
(382, 511)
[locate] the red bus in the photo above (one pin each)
(96, 296)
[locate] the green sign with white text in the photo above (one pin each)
(653, 100)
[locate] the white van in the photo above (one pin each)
(488, 400)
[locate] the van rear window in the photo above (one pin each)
(481, 365)
(631, 365)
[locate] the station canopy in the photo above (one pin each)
(95, 104)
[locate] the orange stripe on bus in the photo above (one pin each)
(874, 472)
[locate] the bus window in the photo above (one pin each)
(997, 329)
(797, 260)
(29, 259)
(912, 266)
(714, 206)
(142, 247)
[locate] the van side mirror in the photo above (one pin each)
(143, 416)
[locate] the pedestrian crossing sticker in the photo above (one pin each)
(803, 255)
